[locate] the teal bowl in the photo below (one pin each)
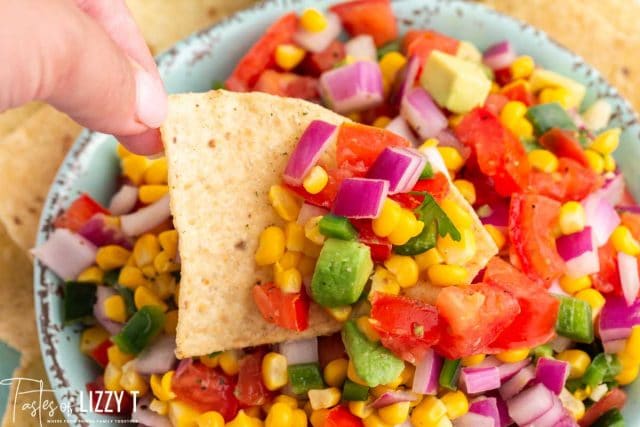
(208, 56)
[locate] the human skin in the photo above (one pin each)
(86, 58)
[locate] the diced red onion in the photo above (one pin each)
(617, 318)
(509, 370)
(146, 416)
(427, 374)
(103, 230)
(353, 87)
(183, 365)
(552, 373)
(319, 41)
(477, 380)
(157, 358)
(613, 190)
(489, 362)
(499, 55)
(362, 47)
(496, 214)
(551, 416)
(554, 288)
(601, 217)
(579, 253)
(66, 253)
(308, 211)
(503, 411)
(398, 165)
(629, 208)
(446, 138)
(576, 118)
(614, 346)
(399, 126)
(487, 407)
(102, 293)
(360, 197)
(566, 421)
(560, 344)
(424, 116)
(530, 404)
(300, 351)
(313, 142)
(124, 200)
(629, 280)
(405, 80)
(146, 218)
(471, 419)
(516, 384)
(391, 397)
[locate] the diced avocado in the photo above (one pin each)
(468, 52)
(541, 79)
(550, 115)
(372, 362)
(341, 272)
(454, 83)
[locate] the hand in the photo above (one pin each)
(86, 58)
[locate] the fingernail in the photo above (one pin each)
(151, 99)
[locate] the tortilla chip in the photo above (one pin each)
(12, 119)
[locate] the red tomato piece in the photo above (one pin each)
(206, 389)
(531, 222)
(563, 144)
(472, 317)
(325, 198)
(616, 398)
(438, 187)
(261, 55)
(407, 327)
(380, 246)
(80, 211)
(290, 311)
(498, 152)
(572, 181)
(341, 417)
(502, 76)
(315, 64)
(607, 280)
(330, 348)
(250, 390)
(424, 42)
(100, 403)
(372, 17)
(632, 222)
(99, 354)
(535, 324)
(287, 84)
(495, 102)
(517, 91)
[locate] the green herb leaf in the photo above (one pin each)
(427, 172)
(429, 211)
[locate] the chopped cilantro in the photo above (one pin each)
(427, 172)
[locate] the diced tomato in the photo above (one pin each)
(616, 398)
(502, 76)
(99, 354)
(206, 389)
(438, 187)
(632, 222)
(315, 64)
(563, 144)
(80, 211)
(380, 246)
(572, 181)
(424, 42)
(250, 390)
(359, 146)
(290, 311)
(325, 198)
(371, 17)
(517, 91)
(330, 348)
(532, 219)
(607, 280)
(627, 198)
(495, 102)
(261, 55)
(100, 404)
(407, 327)
(535, 324)
(472, 317)
(341, 417)
(498, 152)
(287, 84)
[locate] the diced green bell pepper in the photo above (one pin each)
(111, 277)
(611, 418)
(140, 330)
(530, 143)
(78, 302)
(392, 46)
(427, 172)
(449, 374)
(543, 350)
(304, 377)
(354, 392)
(338, 227)
(575, 320)
(604, 367)
(551, 115)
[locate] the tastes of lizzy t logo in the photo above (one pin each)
(31, 399)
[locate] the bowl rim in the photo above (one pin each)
(64, 177)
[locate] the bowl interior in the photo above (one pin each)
(208, 56)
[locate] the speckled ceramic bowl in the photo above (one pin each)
(195, 63)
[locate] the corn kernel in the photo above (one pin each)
(325, 398)
(132, 381)
(572, 218)
(582, 393)
(341, 314)
(145, 296)
(629, 371)
(456, 403)
(609, 163)
(593, 298)
(522, 128)
(169, 242)
(271, 246)
(274, 371)
(285, 203)
(159, 407)
(156, 174)
(522, 67)
(316, 180)
(443, 422)
(429, 143)
(447, 275)
(404, 268)
(91, 275)
(91, 338)
(115, 308)
(298, 418)
(312, 230)
(595, 160)
(574, 406)
(379, 390)
(111, 256)
(360, 409)
(290, 281)
(407, 375)
(242, 419)
(467, 189)
(294, 236)
(474, 360)
(210, 419)
(429, 412)
(149, 271)
(163, 263)
(455, 119)
(396, 413)
(390, 64)
(495, 88)
(313, 20)
(632, 347)
(288, 56)
(132, 277)
(556, 94)
(161, 386)
(381, 122)
(383, 281)
(353, 375)
(452, 158)
(146, 248)
(374, 420)
(291, 401)
(355, 116)
(112, 376)
(573, 285)
(429, 258)
(311, 249)
(543, 160)
(457, 214)
(152, 193)
(318, 418)
(388, 219)
(122, 152)
(623, 241)
(134, 168)
(290, 259)
(364, 325)
(335, 372)
(497, 236)
(408, 226)
(210, 360)
(607, 141)
(512, 112)
(578, 362)
(164, 285)
(513, 356)
(117, 356)
(229, 362)
(458, 252)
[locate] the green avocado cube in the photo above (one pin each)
(454, 83)
(372, 362)
(341, 273)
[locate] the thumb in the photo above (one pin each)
(68, 60)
